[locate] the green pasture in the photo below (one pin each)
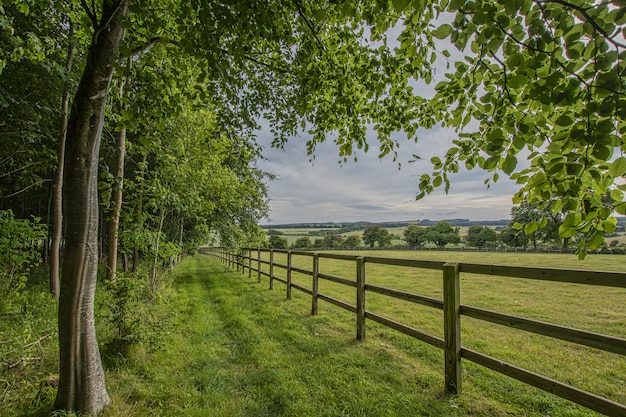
(229, 346)
(591, 308)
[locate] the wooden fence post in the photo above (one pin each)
(249, 263)
(315, 286)
(289, 275)
(360, 298)
(452, 327)
(258, 268)
(271, 269)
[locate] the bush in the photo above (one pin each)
(19, 252)
(127, 310)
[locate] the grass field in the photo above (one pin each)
(597, 309)
(232, 347)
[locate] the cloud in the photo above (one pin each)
(373, 189)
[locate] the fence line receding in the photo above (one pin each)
(451, 307)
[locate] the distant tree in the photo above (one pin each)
(481, 236)
(277, 242)
(275, 232)
(376, 234)
(302, 243)
(332, 241)
(415, 236)
(540, 225)
(513, 238)
(352, 241)
(442, 234)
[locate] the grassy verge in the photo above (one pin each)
(238, 350)
(231, 347)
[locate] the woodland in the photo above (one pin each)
(127, 127)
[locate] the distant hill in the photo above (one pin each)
(392, 224)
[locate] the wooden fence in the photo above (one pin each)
(452, 309)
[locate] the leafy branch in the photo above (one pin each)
(587, 18)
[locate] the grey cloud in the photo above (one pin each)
(373, 189)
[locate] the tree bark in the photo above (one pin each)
(114, 223)
(155, 265)
(57, 186)
(81, 376)
(142, 170)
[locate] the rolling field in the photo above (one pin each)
(585, 307)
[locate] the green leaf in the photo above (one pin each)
(456, 4)
(509, 164)
(442, 31)
(596, 240)
(617, 195)
(400, 5)
(564, 120)
(530, 228)
(567, 231)
(518, 81)
(618, 167)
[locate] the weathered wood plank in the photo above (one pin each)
(337, 302)
(584, 398)
(452, 328)
(289, 256)
(271, 269)
(603, 278)
(339, 256)
(407, 296)
(413, 263)
(410, 331)
(360, 299)
(301, 270)
(591, 339)
(338, 280)
(284, 281)
(302, 288)
(277, 265)
(315, 284)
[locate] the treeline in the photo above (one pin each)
(444, 234)
(343, 227)
(173, 172)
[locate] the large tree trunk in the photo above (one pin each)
(57, 187)
(81, 377)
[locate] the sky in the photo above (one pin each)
(376, 190)
(373, 189)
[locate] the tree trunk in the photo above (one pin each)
(81, 377)
(142, 170)
(155, 265)
(57, 186)
(114, 223)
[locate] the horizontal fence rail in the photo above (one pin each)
(451, 307)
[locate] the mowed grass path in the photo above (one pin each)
(235, 348)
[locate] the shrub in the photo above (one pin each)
(127, 310)
(19, 252)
